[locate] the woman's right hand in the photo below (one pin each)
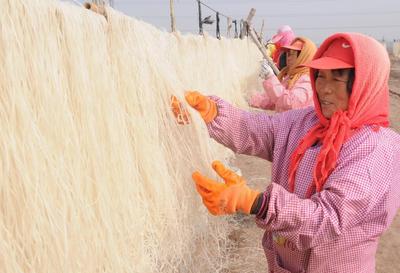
(266, 70)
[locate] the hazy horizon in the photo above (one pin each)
(315, 19)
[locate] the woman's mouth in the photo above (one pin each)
(325, 103)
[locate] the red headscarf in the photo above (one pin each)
(368, 105)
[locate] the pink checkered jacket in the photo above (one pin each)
(278, 97)
(337, 229)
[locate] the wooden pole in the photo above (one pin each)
(262, 33)
(229, 24)
(217, 32)
(172, 15)
(254, 37)
(236, 30)
(200, 19)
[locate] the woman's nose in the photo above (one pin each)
(326, 88)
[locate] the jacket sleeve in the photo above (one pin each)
(250, 133)
(299, 96)
(355, 193)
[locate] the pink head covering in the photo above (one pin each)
(284, 36)
(368, 105)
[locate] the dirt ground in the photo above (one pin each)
(257, 171)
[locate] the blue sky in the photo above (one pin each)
(315, 19)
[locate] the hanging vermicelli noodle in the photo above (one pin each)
(95, 173)
(396, 49)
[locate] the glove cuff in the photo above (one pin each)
(210, 112)
(249, 196)
(255, 208)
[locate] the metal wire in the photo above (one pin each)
(75, 2)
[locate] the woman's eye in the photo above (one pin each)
(339, 80)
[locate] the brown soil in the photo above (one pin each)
(257, 171)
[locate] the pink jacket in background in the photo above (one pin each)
(277, 97)
(337, 229)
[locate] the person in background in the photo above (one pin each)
(283, 37)
(335, 167)
(291, 89)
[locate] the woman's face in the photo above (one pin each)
(331, 86)
(291, 57)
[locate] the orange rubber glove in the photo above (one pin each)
(181, 114)
(206, 107)
(225, 198)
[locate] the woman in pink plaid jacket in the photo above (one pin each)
(335, 168)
